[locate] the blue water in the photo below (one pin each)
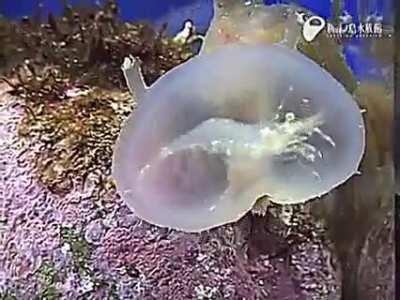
(199, 10)
(175, 12)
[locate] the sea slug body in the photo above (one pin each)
(218, 132)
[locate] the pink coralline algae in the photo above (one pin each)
(75, 245)
(216, 265)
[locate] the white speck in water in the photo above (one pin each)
(346, 18)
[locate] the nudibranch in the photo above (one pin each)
(218, 132)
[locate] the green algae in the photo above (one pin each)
(48, 276)
(329, 55)
(80, 248)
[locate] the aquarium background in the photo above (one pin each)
(101, 249)
(175, 12)
(201, 10)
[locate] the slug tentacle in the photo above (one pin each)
(134, 77)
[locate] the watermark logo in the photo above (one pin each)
(350, 30)
(312, 25)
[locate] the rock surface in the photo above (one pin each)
(81, 245)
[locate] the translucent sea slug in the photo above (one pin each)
(220, 131)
